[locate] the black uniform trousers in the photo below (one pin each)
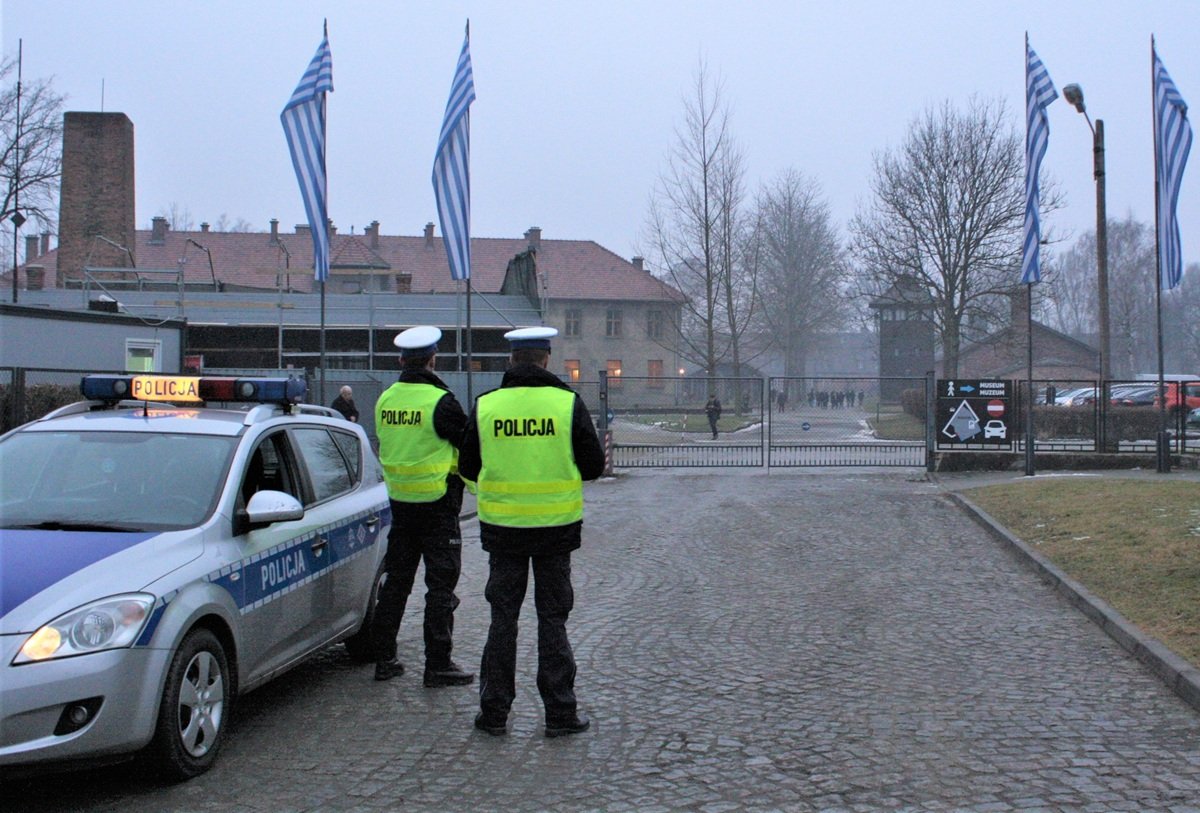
(553, 599)
(429, 532)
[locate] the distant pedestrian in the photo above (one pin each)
(344, 404)
(530, 445)
(712, 408)
(783, 399)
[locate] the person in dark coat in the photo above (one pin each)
(712, 408)
(344, 404)
(530, 444)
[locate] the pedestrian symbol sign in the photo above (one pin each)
(974, 414)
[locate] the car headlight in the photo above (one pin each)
(110, 623)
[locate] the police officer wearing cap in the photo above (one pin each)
(530, 445)
(420, 426)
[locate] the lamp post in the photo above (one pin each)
(1074, 96)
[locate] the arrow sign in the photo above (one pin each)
(967, 388)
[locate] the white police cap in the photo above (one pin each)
(418, 341)
(531, 337)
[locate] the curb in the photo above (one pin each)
(1178, 675)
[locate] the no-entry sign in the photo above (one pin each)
(995, 408)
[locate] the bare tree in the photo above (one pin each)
(178, 217)
(948, 211)
(694, 227)
(802, 273)
(226, 224)
(30, 169)
(1181, 327)
(1071, 294)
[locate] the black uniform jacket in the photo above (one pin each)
(589, 459)
(449, 421)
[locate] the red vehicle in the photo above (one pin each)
(1182, 396)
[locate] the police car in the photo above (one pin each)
(160, 556)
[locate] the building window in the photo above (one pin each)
(613, 366)
(573, 322)
(654, 324)
(612, 323)
(654, 369)
(143, 355)
(572, 367)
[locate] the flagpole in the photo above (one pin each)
(1161, 448)
(1029, 456)
(470, 364)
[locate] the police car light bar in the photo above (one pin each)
(177, 389)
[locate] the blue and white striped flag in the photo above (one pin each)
(1172, 142)
(304, 125)
(1039, 93)
(452, 167)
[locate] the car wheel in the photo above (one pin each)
(358, 645)
(195, 701)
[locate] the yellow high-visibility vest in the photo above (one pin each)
(415, 459)
(528, 478)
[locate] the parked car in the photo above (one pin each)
(160, 559)
(1193, 418)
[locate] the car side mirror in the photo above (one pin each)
(268, 506)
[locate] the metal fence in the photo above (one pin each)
(842, 421)
(663, 421)
(776, 422)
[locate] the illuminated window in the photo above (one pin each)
(612, 323)
(654, 369)
(143, 355)
(573, 325)
(572, 366)
(614, 372)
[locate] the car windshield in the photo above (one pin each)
(123, 481)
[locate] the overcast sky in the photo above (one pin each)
(578, 102)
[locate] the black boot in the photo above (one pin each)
(496, 726)
(450, 675)
(386, 670)
(561, 727)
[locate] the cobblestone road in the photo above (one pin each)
(803, 641)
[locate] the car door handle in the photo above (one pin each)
(318, 547)
(372, 522)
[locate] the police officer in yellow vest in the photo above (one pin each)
(420, 426)
(530, 445)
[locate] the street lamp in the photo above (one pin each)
(1074, 96)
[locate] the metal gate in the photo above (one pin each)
(776, 422)
(663, 421)
(841, 421)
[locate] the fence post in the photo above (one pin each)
(930, 418)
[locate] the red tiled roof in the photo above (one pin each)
(569, 269)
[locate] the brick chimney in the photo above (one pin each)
(429, 235)
(534, 236)
(332, 229)
(639, 263)
(96, 194)
(373, 234)
(31, 247)
(274, 230)
(302, 228)
(1019, 306)
(204, 228)
(158, 230)
(45, 243)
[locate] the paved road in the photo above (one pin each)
(816, 640)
